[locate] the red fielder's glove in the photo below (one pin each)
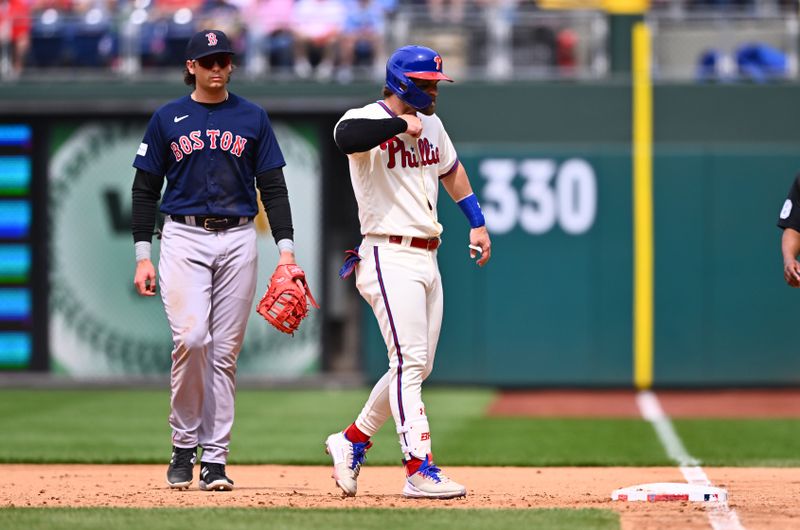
(284, 304)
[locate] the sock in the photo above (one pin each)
(412, 465)
(354, 434)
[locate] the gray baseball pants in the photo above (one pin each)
(207, 282)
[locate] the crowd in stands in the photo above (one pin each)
(307, 37)
(322, 39)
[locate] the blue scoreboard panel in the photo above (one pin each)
(19, 283)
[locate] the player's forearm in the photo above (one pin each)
(286, 257)
(458, 187)
(790, 244)
(457, 184)
(146, 191)
(275, 198)
(360, 135)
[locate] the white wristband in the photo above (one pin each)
(286, 244)
(142, 249)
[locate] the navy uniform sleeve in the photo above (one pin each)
(275, 198)
(150, 155)
(790, 213)
(269, 154)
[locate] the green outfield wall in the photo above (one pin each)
(555, 305)
(551, 165)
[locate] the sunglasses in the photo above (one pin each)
(425, 84)
(208, 62)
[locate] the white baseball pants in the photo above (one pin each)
(404, 288)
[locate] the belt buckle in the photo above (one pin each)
(208, 224)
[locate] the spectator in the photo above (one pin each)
(62, 6)
(715, 65)
(709, 65)
(15, 32)
(50, 32)
(566, 51)
(720, 5)
(72, 33)
(93, 42)
(269, 33)
(362, 37)
(170, 24)
(317, 29)
(165, 8)
(760, 62)
(452, 12)
(389, 7)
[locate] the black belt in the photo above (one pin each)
(212, 224)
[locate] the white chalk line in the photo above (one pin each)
(720, 515)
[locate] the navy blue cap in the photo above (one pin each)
(207, 42)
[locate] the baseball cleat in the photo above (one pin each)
(429, 482)
(181, 466)
(347, 459)
(213, 478)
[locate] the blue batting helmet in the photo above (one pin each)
(409, 63)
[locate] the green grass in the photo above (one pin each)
(738, 442)
(552, 442)
(84, 426)
(247, 518)
(130, 426)
(290, 426)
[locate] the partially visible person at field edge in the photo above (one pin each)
(789, 221)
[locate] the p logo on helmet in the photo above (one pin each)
(409, 63)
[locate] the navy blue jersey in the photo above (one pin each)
(790, 213)
(210, 155)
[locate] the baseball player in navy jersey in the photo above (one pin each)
(398, 153)
(214, 148)
(789, 221)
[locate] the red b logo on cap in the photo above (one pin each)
(212, 39)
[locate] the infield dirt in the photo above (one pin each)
(762, 497)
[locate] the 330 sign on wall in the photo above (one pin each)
(552, 192)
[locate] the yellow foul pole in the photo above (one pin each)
(642, 209)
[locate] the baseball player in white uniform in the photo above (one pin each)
(399, 152)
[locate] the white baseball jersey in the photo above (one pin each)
(396, 183)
